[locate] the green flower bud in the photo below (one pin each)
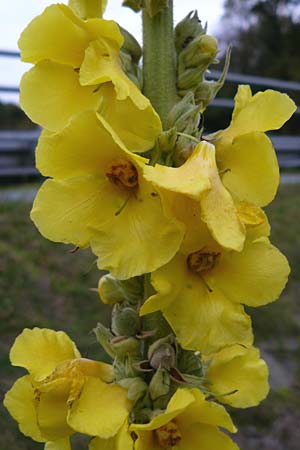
(200, 52)
(111, 290)
(190, 78)
(161, 354)
(125, 346)
(187, 30)
(159, 384)
(131, 46)
(104, 337)
(136, 388)
(167, 140)
(125, 321)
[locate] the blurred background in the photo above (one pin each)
(43, 284)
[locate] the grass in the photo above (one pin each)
(43, 284)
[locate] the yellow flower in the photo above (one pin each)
(189, 422)
(99, 197)
(238, 376)
(88, 8)
(63, 393)
(78, 68)
(198, 179)
(245, 155)
(200, 290)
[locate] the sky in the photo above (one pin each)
(16, 14)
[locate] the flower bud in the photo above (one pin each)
(131, 46)
(187, 30)
(125, 346)
(190, 78)
(135, 5)
(200, 52)
(125, 321)
(167, 140)
(160, 384)
(111, 290)
(104, 337)
(161, 353)
(136, 388)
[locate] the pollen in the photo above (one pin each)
(168, 436)
(123, 173)
(202, 260)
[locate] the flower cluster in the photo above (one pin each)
(175, 218)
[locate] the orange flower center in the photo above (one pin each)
(202, 260)
(123, 173)
(168, 435)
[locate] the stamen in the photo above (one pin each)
(123, 173)
(168, 435)
(122, 207)
(201, 261)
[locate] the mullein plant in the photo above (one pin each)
(173, 215)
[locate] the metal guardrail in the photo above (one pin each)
(17, 147)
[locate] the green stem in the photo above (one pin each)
(159, 61)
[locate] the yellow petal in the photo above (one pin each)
(239, 369)
(255, 220)
(102, 64)
(188, 179)
(20, 402)
(137, 129)
(217, 206)
(202, 320)
(50, 94)
(70, 210)
(255, 276)
(242, 99)
(250, 166)
(52, 409)
(61, 37)
(181, 400)
(61, 444)
(205, 412)
(206, 437)
(83, 148)
(40, 350)
(100, 410)
(88, 8)
(147, 228)
(122, 441)
(264, 111)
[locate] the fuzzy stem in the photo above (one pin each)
(159, 61)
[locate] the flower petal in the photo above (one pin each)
(122, 441)
(20, 402)
(255, 277)
(102, 64)
(206, 437)
(217, 207)
(137, 129)
(181, 400)
(61, 444)
(70, 210)
(62, 95)
(61, 37)
(152, 237)
(188, 179)
(83, 148)
(100, 410)
(264, 111)
(205, 412)
(238, 369)
(52, 409)
(202, 320)
(253, 172)
(88, 8)
(40, 350)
